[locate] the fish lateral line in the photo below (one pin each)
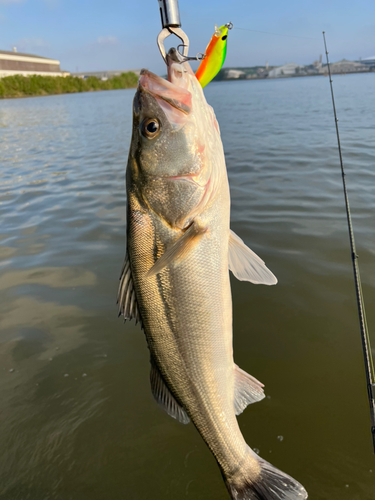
(179, 249)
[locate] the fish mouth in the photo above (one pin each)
(171, 94)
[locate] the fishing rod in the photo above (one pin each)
(365, 337)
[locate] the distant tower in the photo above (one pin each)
(14, 49)
(266, 64)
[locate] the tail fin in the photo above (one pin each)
(259, 480)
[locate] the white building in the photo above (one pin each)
(345, 66)
(235, 73)
(289, 69)
(368, 61)
(16, 63)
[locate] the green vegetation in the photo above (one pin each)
(20, 86)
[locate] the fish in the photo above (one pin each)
(215, 54)
(175, 279)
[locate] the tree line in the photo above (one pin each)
(34, 85)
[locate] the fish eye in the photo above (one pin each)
(224, 37)
(150, 127)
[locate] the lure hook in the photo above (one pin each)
(198, 57)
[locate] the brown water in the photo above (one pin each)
(77, 417)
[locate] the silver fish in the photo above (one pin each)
(175, 279)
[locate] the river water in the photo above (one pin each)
(78, 420)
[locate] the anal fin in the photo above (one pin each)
(164, 398)
(247, 390)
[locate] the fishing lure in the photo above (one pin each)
(215, 54)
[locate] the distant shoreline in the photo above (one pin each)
(287, 77)
(36, 85)
(293, 70)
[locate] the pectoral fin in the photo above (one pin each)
(179, 249)
(164, 397)
(126, 298)
(247, 390)
(246, 265)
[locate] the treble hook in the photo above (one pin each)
(198, 57)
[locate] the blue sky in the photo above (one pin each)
(93, 35)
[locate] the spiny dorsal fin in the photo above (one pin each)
(164, 397)
(246, 265)
(126, 298)
(179, 249)
(247, 390)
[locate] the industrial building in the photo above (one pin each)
(17, 63)
(369, 61)
(344, 66)
(290, 69)
(234, 73)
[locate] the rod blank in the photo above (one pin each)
(365, 337)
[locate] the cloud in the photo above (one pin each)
(107, 40)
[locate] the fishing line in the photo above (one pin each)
(365, 337)
(277, 34)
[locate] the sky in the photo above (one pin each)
(95, 35)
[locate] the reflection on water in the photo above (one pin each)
(77, 417)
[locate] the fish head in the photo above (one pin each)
(169, 165)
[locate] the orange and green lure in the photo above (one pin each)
(215, 54)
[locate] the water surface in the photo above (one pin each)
(77, 417)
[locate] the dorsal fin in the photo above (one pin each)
(247, 390)
(126, 298)
(246, 265)
(164, 397)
